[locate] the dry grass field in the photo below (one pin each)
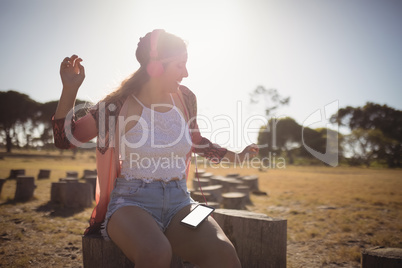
(332, 213)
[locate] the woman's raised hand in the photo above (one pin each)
(72, 73)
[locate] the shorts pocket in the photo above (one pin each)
(131, 189)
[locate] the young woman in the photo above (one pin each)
(146, 131)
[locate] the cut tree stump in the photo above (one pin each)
(229, 184)
(199, 197)
(245, 190)
(260, 241)
(251, 181)
(44, 174)
(234, 200)
(99, 253)
(14, 173)
(379, 257)
(72, 195)
(2, 181)
(89, 173)
(69, 180)
(92, 180)
(215, 191)
(71, 174)
(25, 188)
(200, 182)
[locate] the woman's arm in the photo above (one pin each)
(72, 75)
(203, 146)
(69, 133)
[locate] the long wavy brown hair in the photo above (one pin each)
(168, 45)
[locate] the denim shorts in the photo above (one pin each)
(160, 199)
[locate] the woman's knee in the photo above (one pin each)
(221, 254)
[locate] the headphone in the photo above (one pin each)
(154, 67)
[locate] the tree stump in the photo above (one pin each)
(72, 195)
(379, 257)
(206, 175)
(69, 180)
(245, 190)
(89, 173)
(260, 241)
(199, 197)
(201, 182)
(251, 181)
(229, 184)
(233, 175)
(99, 253)
(215, 191)
(2, 181)
(55, 192)
(71, 174)
(217, 180)
(14, 173)
(92, 180)
(233, 200)
(44, 174)
(25, 188)
(199, 172)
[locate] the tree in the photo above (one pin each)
(376, 133)
(271, 98)
(15, 109)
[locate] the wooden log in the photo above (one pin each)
(200, 182)
(55, 192)
(89, 173)
(233, 175)
(71, 174)
(14, 173)
(251, 181)
(245, 190)
(44, 174)
(206, 175)
(230, 183)
(72, 195)
(199, 172)
(99, 253)
(25, 188)
(217, 180)
(234, 200)
(199, 196)
(379, 257)
(69, 180)
(260, 241)
(215, 191)
(77, 195)
(92, 180)
(2, 181)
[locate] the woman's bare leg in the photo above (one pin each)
(205, 246)
(137, 234)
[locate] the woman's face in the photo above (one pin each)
(174, 72)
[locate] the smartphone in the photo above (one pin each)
(197, 215)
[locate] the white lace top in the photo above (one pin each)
(156, 147)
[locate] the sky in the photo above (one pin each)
(323, 54)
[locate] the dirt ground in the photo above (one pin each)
(332, 213)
